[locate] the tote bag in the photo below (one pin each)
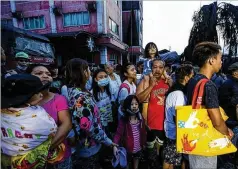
(195, 132)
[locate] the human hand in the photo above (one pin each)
(152, 81)
(231, 134)
(115, 151)
(192, 121)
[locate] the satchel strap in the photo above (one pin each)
(198, 93)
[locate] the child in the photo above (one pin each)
(131, 129)
(25, 127)
(102, 95)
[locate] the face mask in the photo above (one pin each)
(103, 82)
(22, 67)
(132, 112)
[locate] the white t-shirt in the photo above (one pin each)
(175, 98)
(124, 93)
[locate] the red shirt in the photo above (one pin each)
(156, 106)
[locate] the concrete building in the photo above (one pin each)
(132, 25)
(91, 30)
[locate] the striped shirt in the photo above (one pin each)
(136, 136)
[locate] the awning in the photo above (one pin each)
(70, 34)
(112, 42)
(137, 50)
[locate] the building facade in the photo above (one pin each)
(91, 30)
(132, 21)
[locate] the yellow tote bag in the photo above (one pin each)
(195, 132)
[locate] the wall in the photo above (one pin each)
(5, 10)
(32, 9)
(113, 11)
(75, 6)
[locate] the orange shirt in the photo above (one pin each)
(156, 106)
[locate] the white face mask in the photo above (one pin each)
(22, 67)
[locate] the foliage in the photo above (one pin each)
(208, 21)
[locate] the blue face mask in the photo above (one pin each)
(103, 82)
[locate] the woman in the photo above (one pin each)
(102, 95)
(128, 86)
(87, 134)
(56, 106)
(114, 83)
(175, 97)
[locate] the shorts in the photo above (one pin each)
(170, 154)
(137, 155)
(157, 135)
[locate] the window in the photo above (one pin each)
(113, 26)
(7, 22)
(76, 19)
(34, 22)
(113, 58)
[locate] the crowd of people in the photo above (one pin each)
(76, 118)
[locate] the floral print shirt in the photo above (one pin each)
(86, 119)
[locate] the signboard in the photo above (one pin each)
(42, 60)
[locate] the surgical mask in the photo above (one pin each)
(22, 67)
(103, 82)
(132, 113)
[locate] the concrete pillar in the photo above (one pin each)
(120, 6)
(100, 16)
(52, 17)
(105, 16)
(103, 55)
(13, 9)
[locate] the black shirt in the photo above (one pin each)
(210, 96)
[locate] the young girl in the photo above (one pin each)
(87, 134)
(131, 129)
(102, 95)
(128, 86)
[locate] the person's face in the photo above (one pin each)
(43, 73)
(101, 75)
(157, 69)
(168, 70)
(131, 72)
(235, 74)
(109, 69)
(217, 62)
(140, 68)
(152, 50)
(134, 105)
(87, 73)
(35, 99)
(23, 62)
(55, 72)
(187, 78)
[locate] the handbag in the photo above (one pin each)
(195, 132)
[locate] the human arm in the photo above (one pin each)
(120, 131)
(143, 91)
(212, 106)
(64, 124)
